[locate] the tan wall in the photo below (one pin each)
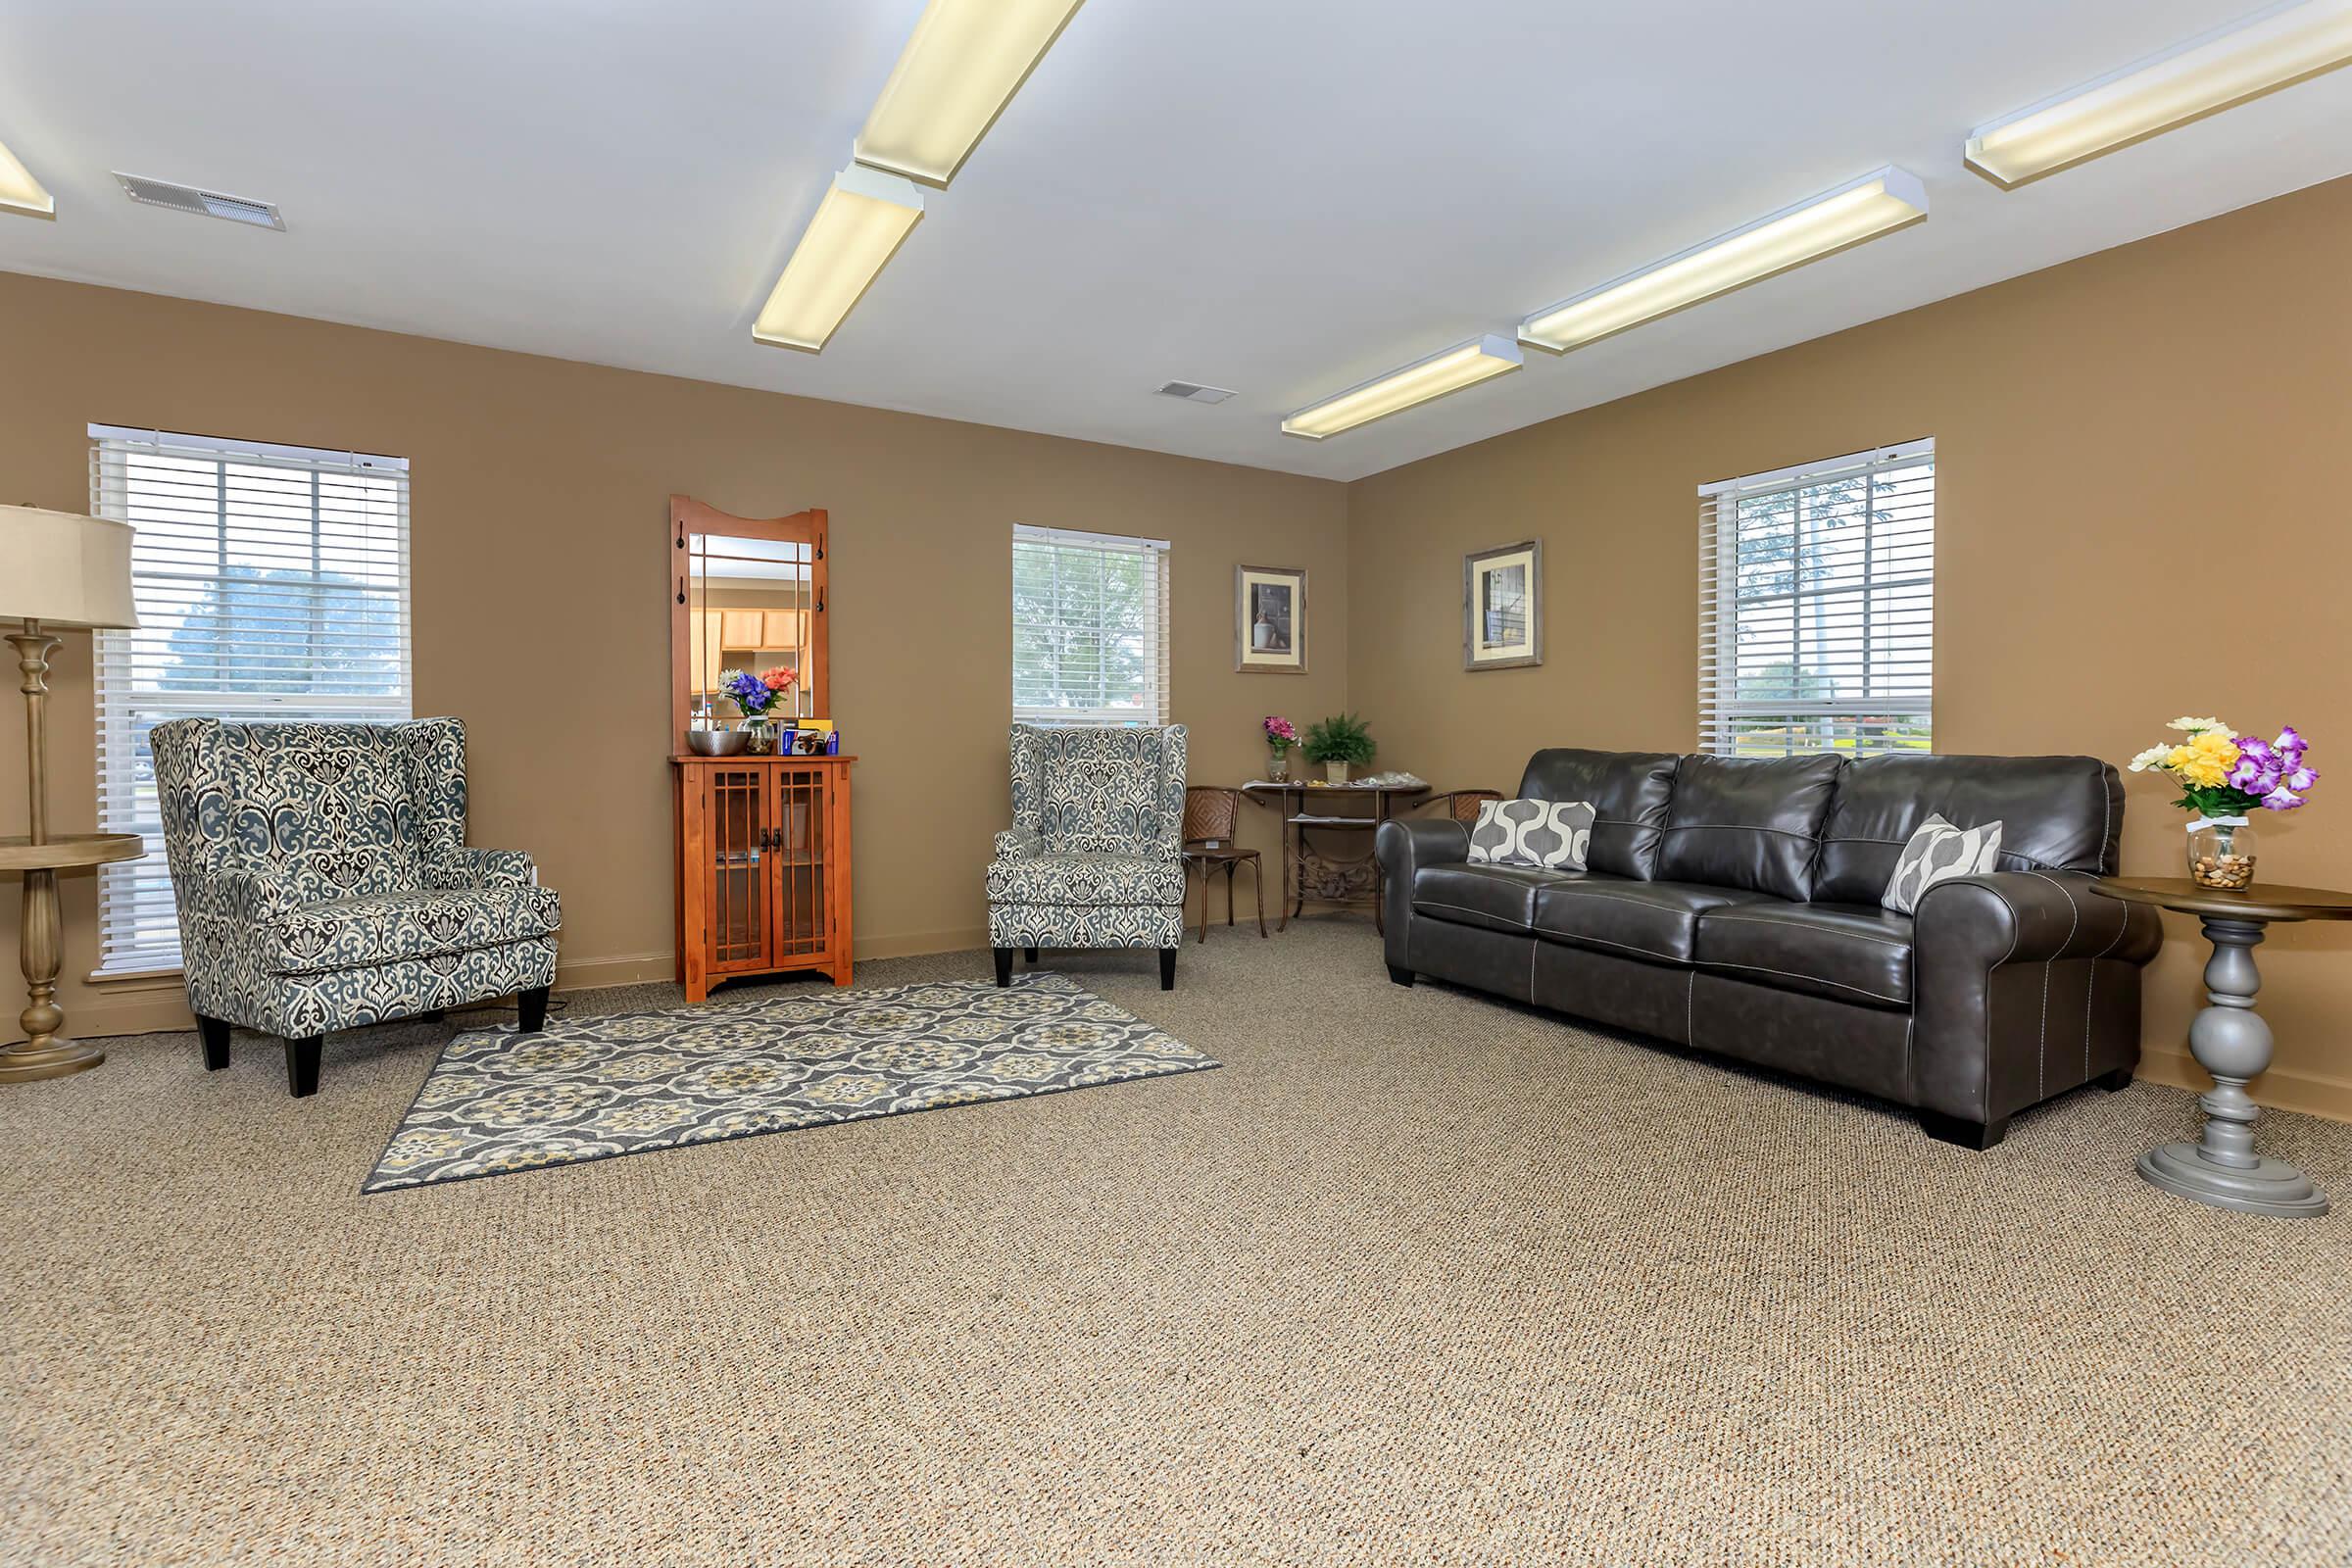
(539, 541)
(2139, 458)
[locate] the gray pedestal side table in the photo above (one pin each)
(2230, 1040)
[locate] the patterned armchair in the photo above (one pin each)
(323, 882)
(1095, 857)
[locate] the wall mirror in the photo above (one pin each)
(746, 593)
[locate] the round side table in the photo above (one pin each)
(2230, 1040)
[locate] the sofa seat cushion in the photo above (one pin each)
(1655, 920)
(385, 927)
(1500, 898)
(1086, 881)
(1855, 953)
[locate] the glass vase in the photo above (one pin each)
(1278, 767)
(2221, 853)
(760, 738)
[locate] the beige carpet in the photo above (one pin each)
(1418, 1278)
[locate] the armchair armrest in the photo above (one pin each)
(1018, 844)
(245, 898)
(1404, 846)
(2015, 996)
(465, 866)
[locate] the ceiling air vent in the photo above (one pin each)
(203, 203)
(1194, 392)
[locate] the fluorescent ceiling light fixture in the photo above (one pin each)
(1399, 390)
(1874, 205)
(2271, 49)
(857, 226)
(19, 192)
(967, 60)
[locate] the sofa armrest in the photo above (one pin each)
(1405, 845)
(466, 867)
(2016, 996)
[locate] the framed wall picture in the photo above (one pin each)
(1269, 619)
(1502, 607)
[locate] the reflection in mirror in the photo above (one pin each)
(748, 608)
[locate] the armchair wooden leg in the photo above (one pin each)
(1003, 967)
(1029, 954)
(302, 1064)
(214, 1033)
(1167, 957)
(532, 1004)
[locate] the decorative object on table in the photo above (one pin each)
(1095, 856)
(1211, 814)
(2224, 776)
(2232, 1042)
(373, 908)
(1502, 607)
(1336, 743)
(58, 570)
(759, 697)
(1269, 619)
(1394, 779)
(594, 1088)
(1543, 835)
(1281, 736)
(1938, 851)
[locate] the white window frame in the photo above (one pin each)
(1156, 639)
(1720, 708)
(134, 908)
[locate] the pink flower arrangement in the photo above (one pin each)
(1280, 735)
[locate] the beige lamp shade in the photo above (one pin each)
(64, 569)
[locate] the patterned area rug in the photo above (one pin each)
(593, 1088)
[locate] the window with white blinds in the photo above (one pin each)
(1817, 607)
(272, 583)
(1090, 627)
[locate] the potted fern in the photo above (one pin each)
(1337, 742)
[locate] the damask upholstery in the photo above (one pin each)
(323, 882)
(1094, 857)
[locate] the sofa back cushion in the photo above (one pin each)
(1630, 792)
(1750, 822)
(2057, 813)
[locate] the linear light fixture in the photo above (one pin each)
(1876, 204)
(19, 192)
(857, 226)
(2271, 49)
(1417, 383)
(967, 60)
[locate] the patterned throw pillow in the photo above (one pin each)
(1938, 853)
(1552, 835)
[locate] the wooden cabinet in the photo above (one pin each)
(763, 867)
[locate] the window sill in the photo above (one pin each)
(129, 978)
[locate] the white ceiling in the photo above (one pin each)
(1281, 198)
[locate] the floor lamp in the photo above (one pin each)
(57, 571)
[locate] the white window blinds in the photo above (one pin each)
(272, 583)
(1090, 627)
(1817, 607)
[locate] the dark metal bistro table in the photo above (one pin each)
(2230, 1040)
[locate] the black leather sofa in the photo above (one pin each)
(1732, 905)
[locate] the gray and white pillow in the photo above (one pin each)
(1938, 853)
(1550, 835)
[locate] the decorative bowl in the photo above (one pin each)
(715, 742)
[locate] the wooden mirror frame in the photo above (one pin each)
(689, 516)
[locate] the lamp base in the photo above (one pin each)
(59, 1058)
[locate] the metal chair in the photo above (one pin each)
(1460, 804)
(1210, 812)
